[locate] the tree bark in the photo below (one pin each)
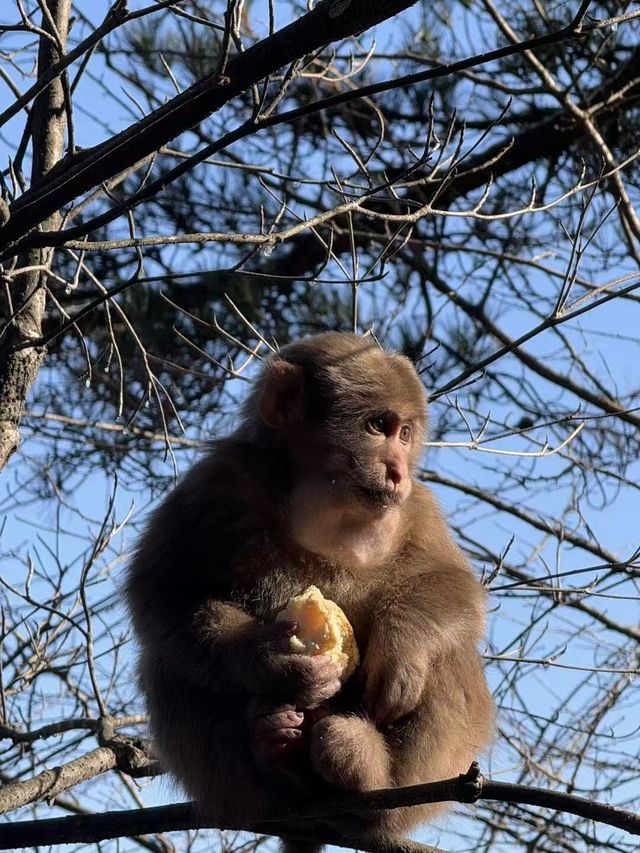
(24, 299)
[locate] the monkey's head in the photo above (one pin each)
(350, 418)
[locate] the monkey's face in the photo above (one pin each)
(362, 464)
(382, 459)
(352, 420)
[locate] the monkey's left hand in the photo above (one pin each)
(393, 682)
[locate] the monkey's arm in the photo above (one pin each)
(221, 648)
(217, 646)
(180, 592)
(254, 657)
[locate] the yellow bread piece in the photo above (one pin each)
(323, 629)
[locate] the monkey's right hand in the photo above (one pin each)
(305, 681)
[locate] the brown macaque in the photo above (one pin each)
(316, 486)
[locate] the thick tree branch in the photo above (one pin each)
(121, 752)
(84, 170)
(49, 783)
(98, 827)
(466, 788)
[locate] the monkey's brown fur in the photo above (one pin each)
(315, 487)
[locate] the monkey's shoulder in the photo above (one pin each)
(223, 496)
(213, 520)
(429, 542)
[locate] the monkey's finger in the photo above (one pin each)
(316, 694)
(276, 736)
(332, 688)
(275, 744)
(322, 666)
(289, 718)
(310, 668)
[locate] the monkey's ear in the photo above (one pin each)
(281, 399)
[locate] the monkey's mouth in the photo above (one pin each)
(378, 496)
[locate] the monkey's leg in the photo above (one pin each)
(351, 753)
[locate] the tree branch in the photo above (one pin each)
(116, 17)
(86, 169)
(466, 788)
(543, 140)
(124, 753)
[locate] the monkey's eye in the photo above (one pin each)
(376, 425)
(405, 433)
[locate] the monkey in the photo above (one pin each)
(317, 485)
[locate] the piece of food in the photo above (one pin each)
(323, 629)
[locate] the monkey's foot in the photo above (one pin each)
(275, 734)
(349, 752)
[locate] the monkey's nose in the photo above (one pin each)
(394, 475)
